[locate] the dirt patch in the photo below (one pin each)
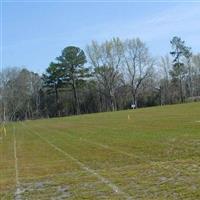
(31, 190)
(62, 193)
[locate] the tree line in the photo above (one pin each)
(107, 76)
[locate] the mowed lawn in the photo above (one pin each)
(151, 153)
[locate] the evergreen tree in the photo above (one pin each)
(71, 62)
(53, 81)
(180, 51)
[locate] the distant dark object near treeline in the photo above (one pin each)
(193, 99)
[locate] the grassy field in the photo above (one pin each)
(152, 154)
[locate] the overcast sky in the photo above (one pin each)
(34, 33)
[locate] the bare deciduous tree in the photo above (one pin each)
(138, 64)
(106, 59)
(164, 78)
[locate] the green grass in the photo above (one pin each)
(153, 155)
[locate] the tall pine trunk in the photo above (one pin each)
(77, 106)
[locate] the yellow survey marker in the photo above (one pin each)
(3, 131)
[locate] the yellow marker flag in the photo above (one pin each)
(4, 130)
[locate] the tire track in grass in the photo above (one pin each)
(107, 182)
(107, 147)
(100, 145)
